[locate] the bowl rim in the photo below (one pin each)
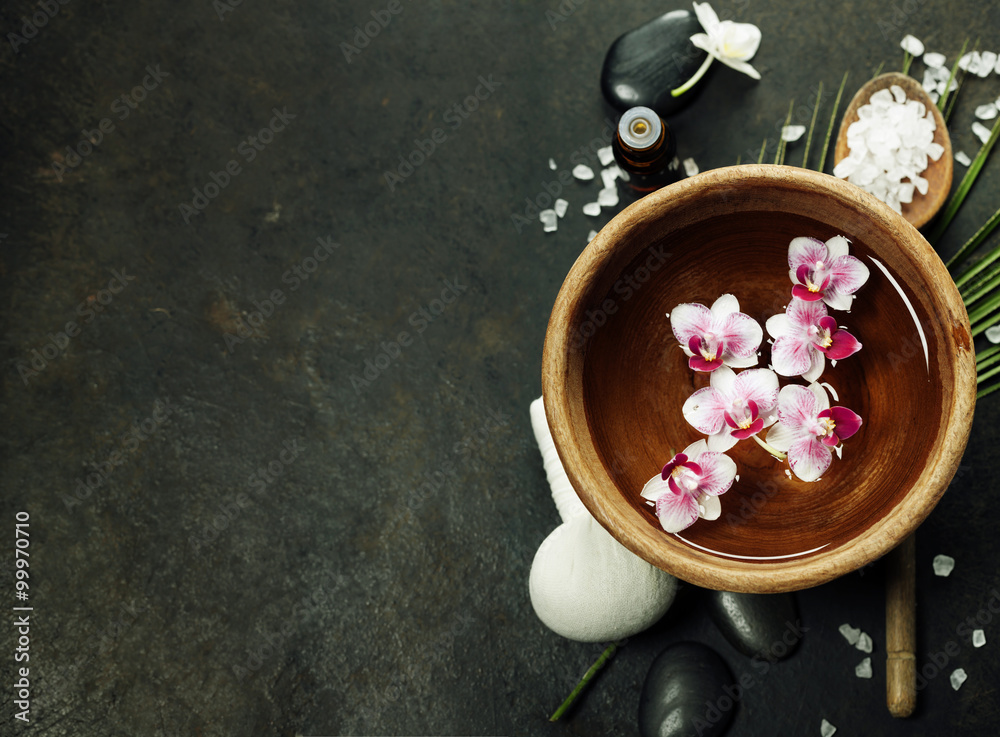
(566, 414)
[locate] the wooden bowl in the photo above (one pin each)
(938, 173)
(614, 378)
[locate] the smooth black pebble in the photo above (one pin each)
(762, 625)
(683, 682)
(645, 64)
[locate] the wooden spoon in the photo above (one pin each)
(938, 173)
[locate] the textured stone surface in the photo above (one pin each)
(408, 521)
(683, 693)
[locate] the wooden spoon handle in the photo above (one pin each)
(901, 629)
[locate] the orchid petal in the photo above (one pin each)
(738, 363)
(817, 365)
(672, 483)
(744, 433)
(849, 274)
(724, 306)
(778, 326)
(804, 293)
(706, 16)
(739, 41)
(694, 451)
(697, 363)
(847, 422)
(676, 511)
(809, 458)
(690, 320)
(730, 421)
(838, 246)
(654, 489)
(790, 357)
(837, 300)
(806, 313)
(718, 473)
(740, 66)
(759, 386)
(829, 324)
(822, 398)
(781, 436)
(705, 408)
(842, 345)
(720, 442)
(741, 335)
(703, 42)
(711, 507)
(724, 382)
(830, 440)
(796, 406)
(805, 251)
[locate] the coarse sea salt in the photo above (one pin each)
(912, 45)
(583, 172)
(890, 146)
(943, 565)
(826, 729)
(606, 155)
(549, 220)
(552, 164)
(963, 158)
(592, 208)
(560, 207)
(987, 111)
(987, 60)
(864, 668)
(690, 167)
(609, 175)
(608, 197)
(591, 235)
(864, 643)
(958, 677)
(993, 334)
(981, 131)
(850, 633)
(792, 133)
(978, 638)
(934, 60)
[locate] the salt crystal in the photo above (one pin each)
(608, 197)
(549, 220)
(690, 167)
(850, 633)
(941, 74)
(997, 67)
(981, 131)
(963, 158)
(609, 175)
(826, 729)
(934, 59)
(987, 60)
(592, 208)
(993, 334)
(934, 96)
(560, 207)
(912, 45)
(606, 155)
(864, 668)
(898, 94)
(958, 677)
(864, 643)
(943, 565)
(583, 172)
(591, 235)
(929, 83)
(792, 133)
(552, 164)
(978, 638)
(970, 62)
(987, 111)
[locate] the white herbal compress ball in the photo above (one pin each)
(584, 584)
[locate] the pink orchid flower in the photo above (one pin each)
(824, 271)
(689, 487)
(717, 335)
(809, 428)
(734, 406)
(804, 337)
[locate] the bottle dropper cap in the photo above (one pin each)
(640, 128)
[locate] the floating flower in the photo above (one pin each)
(734, 406)
(804, 337)
(689, 486)
(716, 336)
(734, 44)
(808, 429)
(824, 271)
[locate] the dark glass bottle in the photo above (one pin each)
(645, 151)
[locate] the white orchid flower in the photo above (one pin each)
(734, 44)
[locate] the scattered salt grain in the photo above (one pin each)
(690, 168)
(934, 96)
(609, 175)
(583, 172)
(864, 668)
(552, 164)
(912, 45)
(608, 197)
(826, 729)
(963, 158)
(850, 633)
(592, 208)
(978, 638)
(981, 131)
(934, 60)
(987, 61)
(605, 155)
(943, 565)
(560, 207)
(792, 133)
(958, 677)
(929, 83)
(591, 235)
(549, 220)
(993, 334)
(864, 643)
(987, 111)
(970, 62)
(997, 67)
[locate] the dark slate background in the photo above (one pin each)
(377, 583)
